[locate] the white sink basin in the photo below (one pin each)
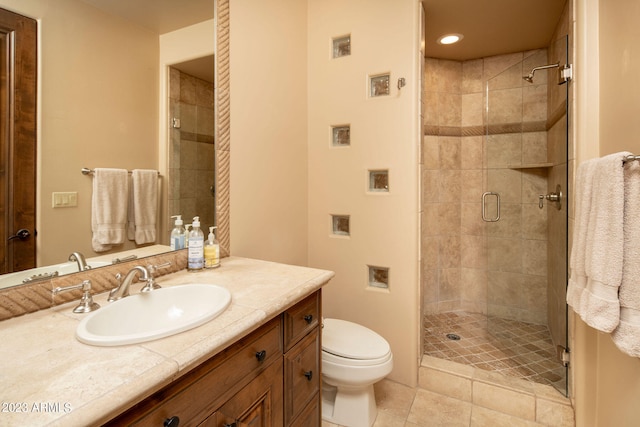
(152, 315)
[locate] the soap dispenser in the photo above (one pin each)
(211, 251)
(195, 260)
(187, 230)
(178, 234)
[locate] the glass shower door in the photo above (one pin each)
(525, 160)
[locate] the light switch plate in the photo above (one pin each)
(65, 199)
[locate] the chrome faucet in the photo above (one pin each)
(122, 290)
(79, 258)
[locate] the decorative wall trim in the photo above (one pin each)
(223, 128)
(497, 129)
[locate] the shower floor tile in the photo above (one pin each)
(514, 348)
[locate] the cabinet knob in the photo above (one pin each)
(261, 355)
(309, 375)
(308, 318)
(172, 422)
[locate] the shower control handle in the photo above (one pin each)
(555, 196)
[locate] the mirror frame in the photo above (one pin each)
(28, 298)
(223, 127)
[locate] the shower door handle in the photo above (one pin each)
(484, 204)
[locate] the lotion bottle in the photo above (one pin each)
(211, 251)
(178, 234)
(195, 260)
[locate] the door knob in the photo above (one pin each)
(22, 234)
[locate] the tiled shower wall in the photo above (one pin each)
(191, 158)
(468, 264)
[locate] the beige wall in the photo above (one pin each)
(98, 96)
(384, 135)
(269, 130)
(606, 382)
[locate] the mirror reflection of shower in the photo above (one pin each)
(565, 72)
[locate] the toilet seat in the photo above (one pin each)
(353, 344)
(344, 361)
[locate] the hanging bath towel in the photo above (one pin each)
(143, 206)
(627, 334)
(598, 243)
(109, 208)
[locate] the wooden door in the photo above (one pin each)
(18, 84)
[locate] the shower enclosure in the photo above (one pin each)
(526, 169)
(494, 235)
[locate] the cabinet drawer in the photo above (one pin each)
(196, 395)
(300, 319)
(302, 375)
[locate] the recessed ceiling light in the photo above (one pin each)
(450, 38)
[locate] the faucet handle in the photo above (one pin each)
(154, 268)
(151, 282)
(86, 302)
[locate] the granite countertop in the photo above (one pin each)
(49, 378)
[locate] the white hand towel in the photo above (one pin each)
(108, 208)
(627, 334)
(599, 306)
(583, 193)
(144, 201)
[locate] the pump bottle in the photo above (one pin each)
(178, 234)
(211, 250)
(195, 260)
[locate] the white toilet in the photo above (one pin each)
(353, 359)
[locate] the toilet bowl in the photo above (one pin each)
(353, 359)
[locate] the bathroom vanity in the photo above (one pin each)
(269, 378)
(258, 363)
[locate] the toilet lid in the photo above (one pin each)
(353, 341)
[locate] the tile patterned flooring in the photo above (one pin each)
(515, 349)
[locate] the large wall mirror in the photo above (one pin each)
(106, 99)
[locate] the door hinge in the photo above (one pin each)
(563, 355)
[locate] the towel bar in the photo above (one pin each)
(630, 158)
(87, 171)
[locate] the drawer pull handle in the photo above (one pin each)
(308, 318)
(309, 375)
(171, 422)
(230, 425)
(261, 355)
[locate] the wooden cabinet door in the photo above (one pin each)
(301, 376)
(259, 404)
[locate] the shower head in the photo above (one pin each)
(529, 77)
